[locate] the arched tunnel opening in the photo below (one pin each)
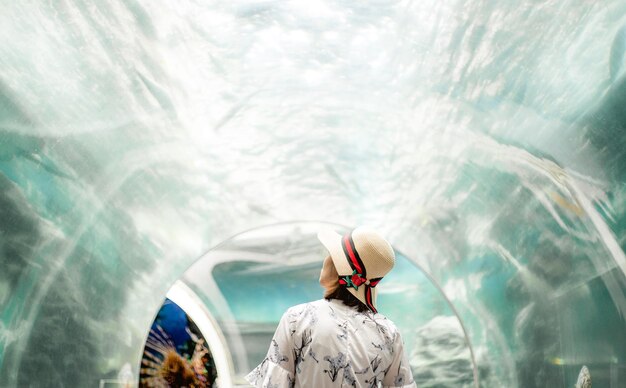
(248, 281)
(485, 139)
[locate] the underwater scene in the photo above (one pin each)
(176, 353)
(190, 150)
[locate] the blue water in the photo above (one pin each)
(484, 138)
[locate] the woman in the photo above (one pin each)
(341, 340)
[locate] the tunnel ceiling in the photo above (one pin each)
(485, 139)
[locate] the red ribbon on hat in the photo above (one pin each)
(359, 272)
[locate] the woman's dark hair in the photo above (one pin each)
(341, 293)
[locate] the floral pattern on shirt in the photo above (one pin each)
(328, 344)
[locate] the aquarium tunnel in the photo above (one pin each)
(176, 159)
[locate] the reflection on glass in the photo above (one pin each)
(488, 138)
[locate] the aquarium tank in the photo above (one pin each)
(189, 151)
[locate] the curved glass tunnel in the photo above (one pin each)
(485, 139)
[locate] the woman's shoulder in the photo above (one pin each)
(392, 326)
(306, 308)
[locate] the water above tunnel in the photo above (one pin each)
(484, 139)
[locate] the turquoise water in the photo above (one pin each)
(485, 139)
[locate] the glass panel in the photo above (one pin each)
(484, 138)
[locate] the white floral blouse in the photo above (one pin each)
(328, 344)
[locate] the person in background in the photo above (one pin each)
(340, 340)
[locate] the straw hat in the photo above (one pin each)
(361, 257)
